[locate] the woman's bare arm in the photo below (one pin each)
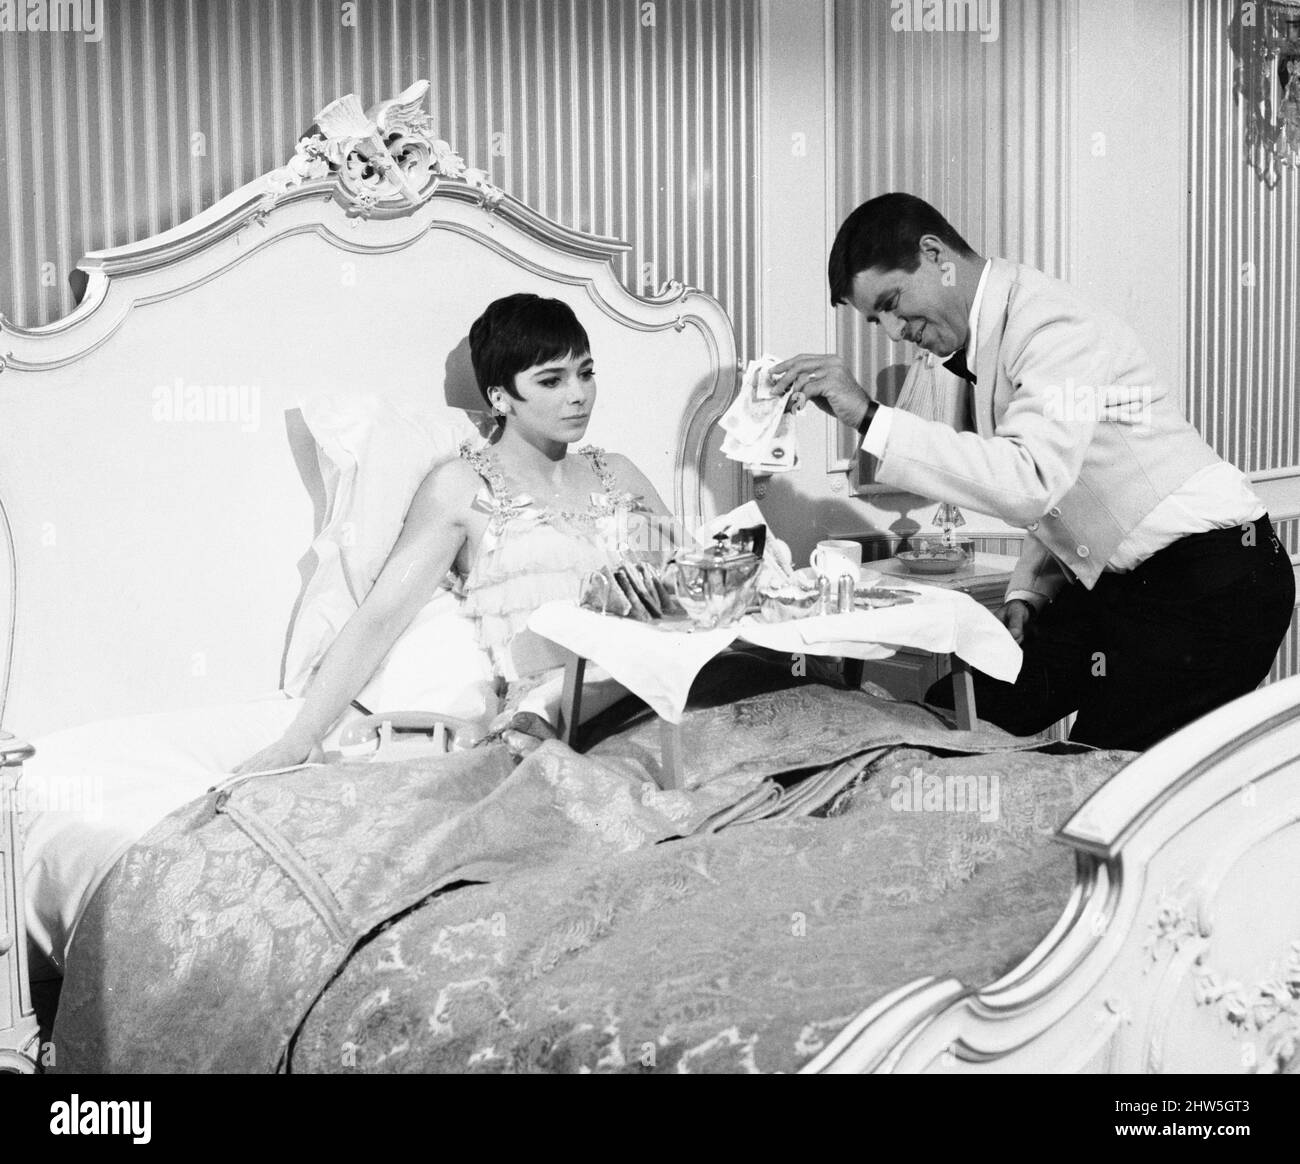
(436, 528)
(631, 478)
(663, 532)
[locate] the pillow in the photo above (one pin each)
(373, 457)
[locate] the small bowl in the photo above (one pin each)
(932, 557)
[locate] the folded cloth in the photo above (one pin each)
(759, 431)
(943, 621)
(774, 800)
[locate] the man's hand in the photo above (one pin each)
(827, 383)
(1016, 616)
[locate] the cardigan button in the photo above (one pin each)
(1054, 512)
(1033, 525)
(1082, 551)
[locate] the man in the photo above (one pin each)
(1151, 588)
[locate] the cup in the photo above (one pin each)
(833, 557)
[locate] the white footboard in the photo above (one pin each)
(1179, 950)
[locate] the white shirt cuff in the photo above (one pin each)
(877, 434)
(1036, 600)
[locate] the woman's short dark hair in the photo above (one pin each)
(520, 332)
(886, 233)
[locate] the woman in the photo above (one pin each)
(508, 527)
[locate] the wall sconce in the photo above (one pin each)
(1277, 122)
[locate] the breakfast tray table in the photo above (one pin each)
(659, 661)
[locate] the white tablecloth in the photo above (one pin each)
(660, 664)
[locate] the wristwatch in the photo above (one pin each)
(867, 417)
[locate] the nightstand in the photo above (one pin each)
(19, 1033)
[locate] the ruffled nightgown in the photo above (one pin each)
(533, 554)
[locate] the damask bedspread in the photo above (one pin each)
(464, 913)
(742, 951)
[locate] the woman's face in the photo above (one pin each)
(554, 401)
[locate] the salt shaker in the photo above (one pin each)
(823, 595)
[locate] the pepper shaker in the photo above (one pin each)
(844, 594)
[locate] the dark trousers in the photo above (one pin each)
(1142, 654)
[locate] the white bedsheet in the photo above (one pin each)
(92, 791)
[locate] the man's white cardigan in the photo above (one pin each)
(1076, 440)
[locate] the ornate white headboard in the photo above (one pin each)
(154, 465)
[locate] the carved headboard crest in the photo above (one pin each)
(386, 160)
(378, 238)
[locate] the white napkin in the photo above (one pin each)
(944, 621)
(659, 665)
(778, 562)
(741, 517)
(760, 433)
(788, 638)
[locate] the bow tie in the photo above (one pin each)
(956, 364)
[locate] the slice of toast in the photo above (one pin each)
(638, 611)
(643, 579)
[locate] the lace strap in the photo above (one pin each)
(596, 458)
(485, 465)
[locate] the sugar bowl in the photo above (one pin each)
(714, 584)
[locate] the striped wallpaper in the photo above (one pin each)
(1287, 662)
(1243, 301)
(1243, 292)
(980, 130)
(631, 118)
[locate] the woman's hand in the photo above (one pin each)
(1016, 616)
(286, 752)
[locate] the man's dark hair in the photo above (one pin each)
(520, 332)
(886, 232)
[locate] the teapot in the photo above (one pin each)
(714, 584)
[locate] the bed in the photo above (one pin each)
(171, 507)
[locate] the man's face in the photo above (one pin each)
(923, 306)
